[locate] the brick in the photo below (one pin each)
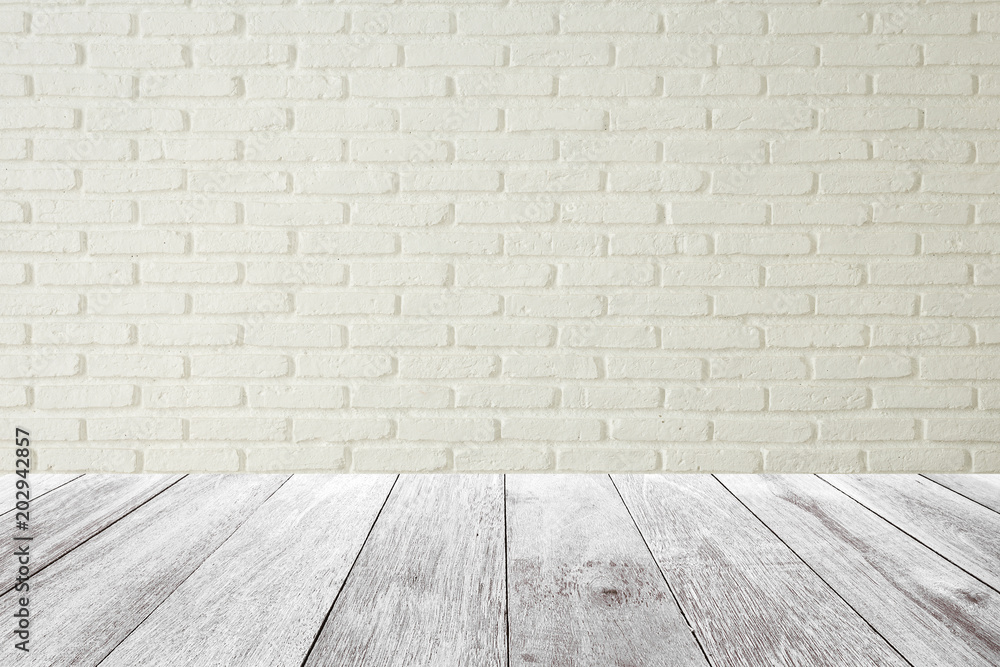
(915, 459)
(759, 368)
(561, 54)
(908, 335)
(345, 365)
(504, 396)
(114, 55)
(817, 336)
(134, 428)
(200, 460)
(729, 22)
(654, 368)
(188, 85)
(383, 459)
(820, 214)
(95, 396)
(551, 430)
(706, 460)
(305, 459)
(255, 429)
(438, 367)
(661, 430)
(301, 397)
(718, 337)
(192, 396)
(910, 397)
(760, 430)
(814, 399)
(794, 461)
(447, 430)
(710, 399)
(862, 367)
(308, 22)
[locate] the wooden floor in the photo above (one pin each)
(532, 570)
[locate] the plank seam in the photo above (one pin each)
(959, 493)
(42, 495)
(56, 560)
(347, 577)
(913, 537)
(818, 576)
(191, 573)
(670, 588)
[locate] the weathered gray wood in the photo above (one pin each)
(428, 587)
(71, 514)
(984, 489)
(40, 485)
(86, 603)
(48, 482)
(750, 599)
(578, 574)
(964, 532)
(928, 609)
(261, 597)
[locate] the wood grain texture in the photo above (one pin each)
(428, 588)
(928, 609)
(261, 597)
(578, 573)
(70, 514)
(86, 603)
(740, 586)
(964, 532)
(984, 489)
(41, 484)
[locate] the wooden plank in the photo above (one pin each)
(66, 517)
(291, 556)
(578, 573)
(428, 587)
(750, 599)
(86, 603)
(928, 609)
(984, 489)
(48, 482)
(964, 532)
(40, 485)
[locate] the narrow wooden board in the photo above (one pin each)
(928, 609)
(40, 485)
(261, 597)
(48, 482)
(578, 573)
(86, 603)
(428, 588)
(750, 599)
(984, 489)
(964, 532)
(69, 515)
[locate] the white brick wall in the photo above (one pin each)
(525, 235)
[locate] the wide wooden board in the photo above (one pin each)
(751, 600)
(984, 489)
(87, 602)
(578, 573)
(428, 587)
(932, 612)
(261, 597)
(69, 515)
(964, 532)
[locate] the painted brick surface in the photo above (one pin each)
(527, 235)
